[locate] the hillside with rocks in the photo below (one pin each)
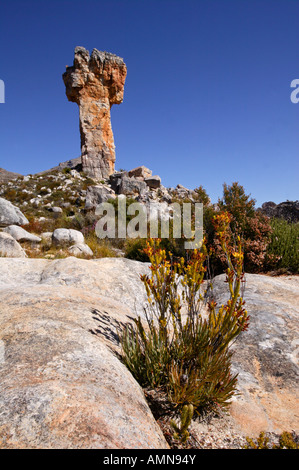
(66, 297)
(65, 198)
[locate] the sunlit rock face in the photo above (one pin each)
(95, 82)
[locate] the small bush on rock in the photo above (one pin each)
(179, 350)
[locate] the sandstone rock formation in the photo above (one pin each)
(95, 82)
(122, 183)
(80, 249)
(140, 172)
(153, 182)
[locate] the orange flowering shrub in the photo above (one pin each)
(180, 349)
(253, 227)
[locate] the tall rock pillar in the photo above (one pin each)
(95, 82)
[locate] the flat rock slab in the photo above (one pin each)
(62, 383)
(266, 356)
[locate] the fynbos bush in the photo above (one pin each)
(179, 350)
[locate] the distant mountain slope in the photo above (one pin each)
(8, 175)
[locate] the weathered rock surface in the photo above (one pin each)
(140, 172)
(122, 183)
(62, 384)
(266, 356)
(20, 234)
(97, 194)
(131, 187)
(95, 82)
(9, 247)
(55, 209)
(62, 236)
(80, 249)
(153, 182)
(47, 236)
(10, 214)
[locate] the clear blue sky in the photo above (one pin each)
(207, 95)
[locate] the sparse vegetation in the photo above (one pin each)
(269, 245)
(100, 248)
(286, 440)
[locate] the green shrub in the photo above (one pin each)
(134, 249)
(58, 195)
(283, 249)
(181, 431)
(182, 353)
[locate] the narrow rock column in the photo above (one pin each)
(95, 82)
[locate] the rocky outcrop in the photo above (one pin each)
(10, 214)
(63, 385)
(122, 183)
(288, 210)
(140, 172)
(97, 194)
(95, 82)
(153, 182)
